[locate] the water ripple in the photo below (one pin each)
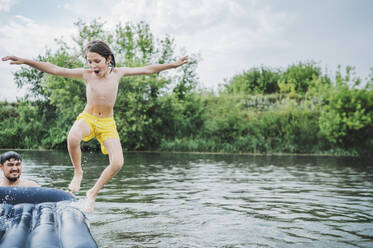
(178, 200)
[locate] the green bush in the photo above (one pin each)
(347, 115)
(300, 77)
(254, 81)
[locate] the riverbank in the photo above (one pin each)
(197, 153)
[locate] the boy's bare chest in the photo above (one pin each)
(102, 88)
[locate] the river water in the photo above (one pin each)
(194, 200)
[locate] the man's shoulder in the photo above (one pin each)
(28, 183)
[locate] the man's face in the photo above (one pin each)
(12, 169)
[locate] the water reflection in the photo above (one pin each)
(186, 200)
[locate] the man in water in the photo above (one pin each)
(11, 165)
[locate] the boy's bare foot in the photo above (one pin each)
(74, 186)
(90, 202)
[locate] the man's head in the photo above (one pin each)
(11, 165)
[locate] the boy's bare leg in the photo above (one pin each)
(79, 130)
(115, 152)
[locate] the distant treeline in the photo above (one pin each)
(300, 109)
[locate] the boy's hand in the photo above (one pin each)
(14, 60)
(181, 61)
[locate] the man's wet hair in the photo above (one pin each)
(9, 155)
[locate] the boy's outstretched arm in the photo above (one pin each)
(46, 67)
(128, 71)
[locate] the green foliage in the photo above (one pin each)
(321, 116)
(232, 124)
(347, 115)
(31, 79)
(296, 79)
(299, 78)
(23, 125)
(254, 81)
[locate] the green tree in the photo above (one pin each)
(140, 100)
(347, 114)
(261, 80)
(300, 77)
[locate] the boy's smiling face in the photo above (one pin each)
(98, 64)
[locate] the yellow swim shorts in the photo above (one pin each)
(101, 128)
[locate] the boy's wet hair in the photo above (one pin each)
(101, 48)
(9, 155)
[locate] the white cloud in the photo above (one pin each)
(217, 29)
(231, 36)
(5, 5)
(87, 9)
(23, 37)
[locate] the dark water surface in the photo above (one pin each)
(186, 200)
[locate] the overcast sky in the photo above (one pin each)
(231, 35)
